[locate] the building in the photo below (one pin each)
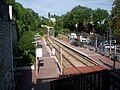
(53, 20)
(7, 27)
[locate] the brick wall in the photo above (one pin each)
(6, 49)
(14, 37)
(6, 58)
(4, 10)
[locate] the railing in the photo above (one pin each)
(114, 80)
(102, 80)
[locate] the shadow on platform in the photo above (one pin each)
(24, 80)
(41, 84)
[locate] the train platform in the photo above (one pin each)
(49, 70)
(104, 61)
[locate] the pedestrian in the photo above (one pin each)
(38, 66)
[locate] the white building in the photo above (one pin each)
(53, 20)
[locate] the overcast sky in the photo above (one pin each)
(59, 7)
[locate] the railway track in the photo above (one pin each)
(70, 57)
(57, 53)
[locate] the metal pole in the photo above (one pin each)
(114, 64)
(110, 49)
(115, 57)
(115, 49)
(110, 53)
(96, 44)
(107, 36)
(61, 59)
(36, 66)
(36, 59)
(48, 30)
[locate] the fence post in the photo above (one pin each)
(61, 59)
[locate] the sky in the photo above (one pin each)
(60, 7)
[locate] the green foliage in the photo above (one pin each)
(26, 19)
(64, 31)
(116, 17)
(20, 27)
(117, 31)
(63, 37)
(26, 46)
(25, 42)
(46, 21)
(99, 15)
(83, 16)
(10, 2)
(78, 14)
(28, 24)
(59, 23)
(18, 8)
(41, 31)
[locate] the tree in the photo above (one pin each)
(115, 20)
(25, 42)
(78, 14)
(99, 16)
(10, 2)
(116, 17)
(41, 31)
(28, 24)
(59, 23)
(26, 46)
(83, 16)
(26, 19)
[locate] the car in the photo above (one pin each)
(107, 46)
(118, 48)
(108, 42)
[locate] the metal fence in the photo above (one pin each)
(102, 80)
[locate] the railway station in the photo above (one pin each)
(76, 47)
(60, 65)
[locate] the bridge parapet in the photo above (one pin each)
(48, 28)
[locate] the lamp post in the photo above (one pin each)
(38, 51)
(96, 43)
(76, 25)
(110, 37)
(107, 35)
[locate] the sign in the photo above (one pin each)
(38, 52)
